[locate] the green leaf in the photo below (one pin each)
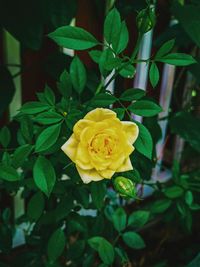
(112, 26)
(121, 42)
(138, 218)
(128, 71)
(188, 127)
(78, 74)
(76, 249)
(21, 154)
(160, 206)
(65, 84)
(133, 240)
(119, 219)
(195, 262)
(49, 95)
(102, 100)
(7, 88)
(73, 38)
(95, 55)
(5, 136)
(103, 247)
(145, 108)
(174, 191)
(47, 138)
(35, 206)
(26, 127)
(189, 198)
(113, 63)
(177, 59)
(33, 108)
(8, 173)
(49, 117)
(98, 191)
(120, 112)
(165, 48)
(154, 75)
(44, 175)
(132, 94)
(105, 57)
(56, 245)
(144, 142)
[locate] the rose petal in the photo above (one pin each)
(126, 166)
(83, 158)
(80, 126)
(100, 114)
(89, 175)
(131, 129)
(70, 147)
(107, 173)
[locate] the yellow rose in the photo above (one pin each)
(101, 145)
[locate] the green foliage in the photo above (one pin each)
(78, 75)
(133, 240)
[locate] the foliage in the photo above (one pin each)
(67, 222)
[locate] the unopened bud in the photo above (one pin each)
(125, 187)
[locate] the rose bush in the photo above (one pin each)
(101, 145)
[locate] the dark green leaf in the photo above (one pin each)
(119, 219)
(160, 206)
(104, 249)
(49, 95)
(177, 59)
(98, 191)
(95, 55)
(121, 42)
(154, 75)
(113, 63)
(65, 84)
(8, 173)
(174, 191)
(132, 94)
(33, 108)
(48, 117)
(144, 142)
(105, 57)
(76, 249)
(128, 71)
(47, 138)
(145, 108)
(133, 240)
(44, 175)
(56, 245)
(5, 136)
(102, 100)
(165, 48)
(189, 198)
(78, 74)
(21, 154)
(112, 26)
(138, 218)
(73, 37)
(35, 206)
(120, 112)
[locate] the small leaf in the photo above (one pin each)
(95, 55)
(119, 219)
(49, 95)
(144, 142)
(145, 108)
(21, 154)
(160, 206)
(132, 94)
(105, 57)
(5, 136)
(128, 71)
(48, 117)
(154, 75)
(73, 38)
(120, 112)
(35, 206)
(78, 74)
(33, 108)
(113, 63)
(65, 84)
(133, 240)
(138, 218)
(47, 138)
(174, 191)
(8, 173)
(56, 245)
(121, 42)
(44, 175)
(112, 26)
(189, 198)
(165, 48)
(98, 191)
(104, 249)
(102, 100)
(177, 59)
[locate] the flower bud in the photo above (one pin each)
(125, 187)
(146, 20)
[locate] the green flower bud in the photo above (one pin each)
(125, 187)
(146, 20)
